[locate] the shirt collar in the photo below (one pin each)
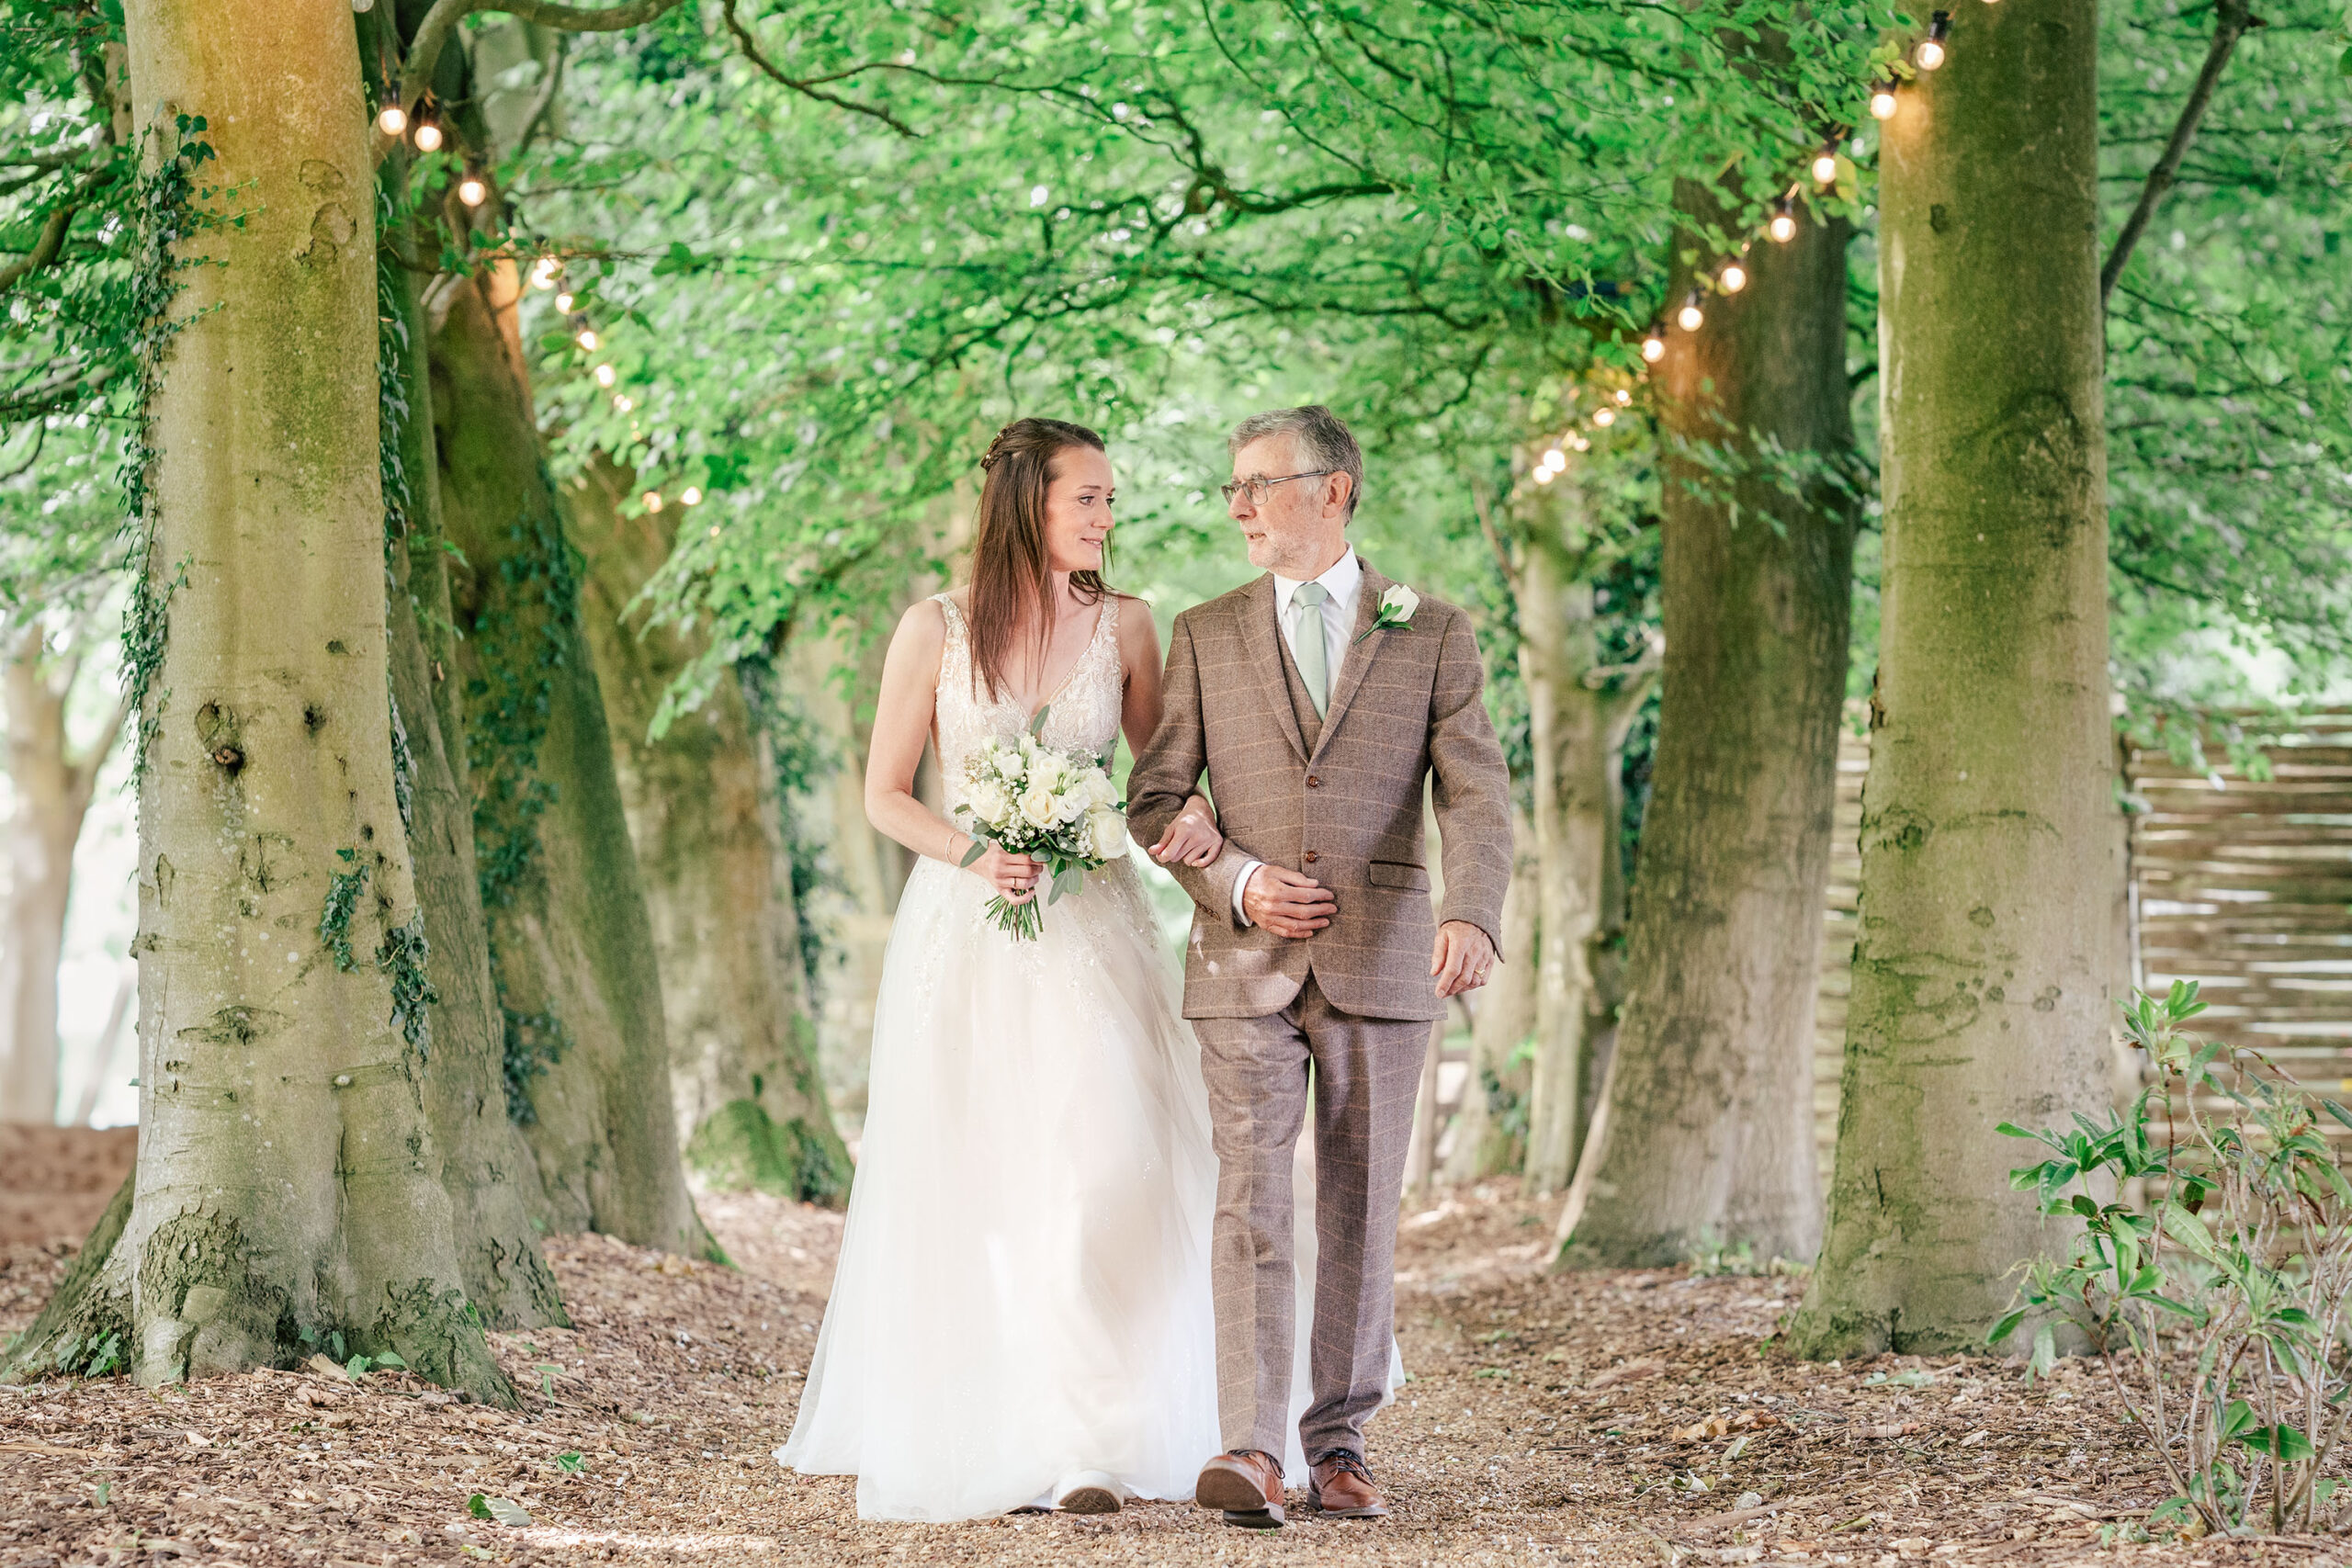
(1345, 576)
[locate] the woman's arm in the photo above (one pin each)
(902, 719)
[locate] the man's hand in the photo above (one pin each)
(1462, 960)
(1286, 903)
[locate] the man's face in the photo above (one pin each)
(1301, 526)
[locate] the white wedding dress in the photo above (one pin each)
(1022, 1291)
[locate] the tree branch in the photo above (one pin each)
(751, 50)
(44, 250)
(1503, 563)
(2232, 19)
(441, 23)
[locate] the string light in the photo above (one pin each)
(622, 404)
(1625, 399)
(1692, 316)
(1882, 101)
(1555, 458)
(1824, 166)
(1652, 346)
(690, 496)
(1604, 417)
(1580, 444)
(1733, 278)
(1932, 53)
(392, 119)
(544, 274)
(427, 134)
(652, 501)
(1543, 476)
(606, 376)
(565, 300)
(1783, 227)
(585, 337)
(473, 193)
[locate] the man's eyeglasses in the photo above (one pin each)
(1258, 488)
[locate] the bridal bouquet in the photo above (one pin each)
(1027, 798)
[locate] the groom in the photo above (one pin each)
(1318, 699)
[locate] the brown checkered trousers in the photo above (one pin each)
(1340, 800)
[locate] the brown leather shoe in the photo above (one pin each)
(1247, 1484)
(1339, 1484)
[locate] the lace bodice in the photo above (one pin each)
(1085, 715)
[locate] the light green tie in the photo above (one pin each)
(1306, 643)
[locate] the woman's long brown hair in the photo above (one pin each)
(1013, 581)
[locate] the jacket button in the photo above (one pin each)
(1309, 857)
(1314, 783)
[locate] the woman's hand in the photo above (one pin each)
(1013, 877)
(1193, 838)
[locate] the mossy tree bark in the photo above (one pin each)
(571, 947)
(1577, 714)
(288, 1196)
(1982, 973)
(703, 814)
(1709, 1128)
(487, 1170)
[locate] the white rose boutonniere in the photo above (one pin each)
(1397, 607)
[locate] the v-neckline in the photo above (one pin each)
(1092, 637)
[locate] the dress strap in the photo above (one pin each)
(956, 663)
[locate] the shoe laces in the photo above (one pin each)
(1344, 1459)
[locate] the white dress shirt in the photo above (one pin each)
(1345, 583)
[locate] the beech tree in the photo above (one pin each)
(1984, 979)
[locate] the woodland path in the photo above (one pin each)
(1550, 1419)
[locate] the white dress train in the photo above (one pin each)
(1023, 1291)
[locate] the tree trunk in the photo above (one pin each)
(1490, 1133)
(486, 1167)
(573, 956)
(1710, 1126)
(53, 787)
(288, 1195)
(1568, 721)
(743, 1043)
(1982, 975)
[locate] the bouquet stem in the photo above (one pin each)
(1022, 922)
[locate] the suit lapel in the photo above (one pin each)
(1258, 636)
(1363, 643)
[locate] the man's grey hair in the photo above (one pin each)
(1324, 442)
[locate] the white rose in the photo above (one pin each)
(1073, 802)
(1010, 763)
(1039, 808)
(1048, 772)
(990, 802)
(1398, 604)
(1105, 834)
(1100, 790)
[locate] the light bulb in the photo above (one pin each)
(1932, 53)
(543, 274)
(690, 496)
(1733, 278)
(392, 120)
(428, 136)
(1882, 101)
(471, 191)
(1625, 399)
(652, 501)
(1604, 417)
(586, 338)
(1690, 318)
(1555, 458)
(1783, 227)
(1825, 168)
(1653, 349)
(621, 402)
(1543, 476)
(565, 300)
(605, 375)
(1581, 444)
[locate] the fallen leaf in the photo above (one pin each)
(34, 1446)
(327, 1368)
(1700, 1431)
(1631, 1371)
(1974, 1437)
(1890, 1429)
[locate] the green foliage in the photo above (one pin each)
(530, 1043)
(742, 1146)
(403, 956)
(343, 890)
(2221, 1304)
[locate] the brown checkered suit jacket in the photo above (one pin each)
(1343, 806)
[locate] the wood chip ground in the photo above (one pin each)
(1600, 1417)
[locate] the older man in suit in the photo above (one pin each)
(1318, 699)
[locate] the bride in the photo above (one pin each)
(1020, 1314)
